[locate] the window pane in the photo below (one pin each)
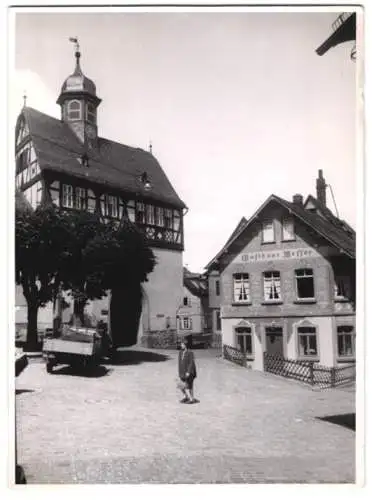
(241, 287)
(288, 230)
(268, 231)
(305, 283)
(248, 339)
(272, 285)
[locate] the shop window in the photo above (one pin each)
(244, 339)
(307, 341)
(304, 283)
(346, 341)
(241, 287)
(268, 235)
(272, 290)
(288, 229)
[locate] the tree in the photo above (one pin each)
(58, 250)
(41, 244)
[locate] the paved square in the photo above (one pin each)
(126, 425)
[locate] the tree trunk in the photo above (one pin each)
(32, 340)
(78, 314)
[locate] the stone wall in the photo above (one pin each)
(164, 339)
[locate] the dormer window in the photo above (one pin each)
(268, 235)
(74, 110)
(90, 113)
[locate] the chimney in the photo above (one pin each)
(298, 199)
(321, 187)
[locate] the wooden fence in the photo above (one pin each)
(308, 372)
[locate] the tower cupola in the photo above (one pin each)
(79, 102)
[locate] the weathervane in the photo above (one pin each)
(76, 42)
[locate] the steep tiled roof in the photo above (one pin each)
(242, 223)
(110, 163)
(330, 230)
(195, 283)
(336, 231)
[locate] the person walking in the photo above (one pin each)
(186, 373)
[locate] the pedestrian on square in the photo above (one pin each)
(186, 373)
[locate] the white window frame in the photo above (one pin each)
(272, 286)
(244, 332)
(80, 198)
(288, 234)
(150, 214)
(67, 196)
(342, 334)
(268, 231)
(306, 332)
(241, 288)
(71, 109)
(159, 216)
(185, 323)
(168, 223)
(308, 274)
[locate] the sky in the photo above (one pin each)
(237, 105)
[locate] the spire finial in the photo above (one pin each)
(24, 99)
(75, 41)
(150, 147)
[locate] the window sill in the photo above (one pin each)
(304, 301)
(288, 240)
(341, 299)
(271, 302)
(313, 359)
(346, 359)
(241, 303)
(268, 242)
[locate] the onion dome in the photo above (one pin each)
(77, 83)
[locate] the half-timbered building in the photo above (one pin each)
(67, 162)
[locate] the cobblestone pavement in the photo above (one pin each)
(124, 424)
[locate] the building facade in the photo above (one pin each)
(288, 283)
(66, 162)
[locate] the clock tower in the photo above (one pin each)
(79, 103)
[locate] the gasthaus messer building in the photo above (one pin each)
(287, 283)
(67, 162)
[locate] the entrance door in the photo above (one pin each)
(274, 340)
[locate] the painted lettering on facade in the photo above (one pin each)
(296, 253)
